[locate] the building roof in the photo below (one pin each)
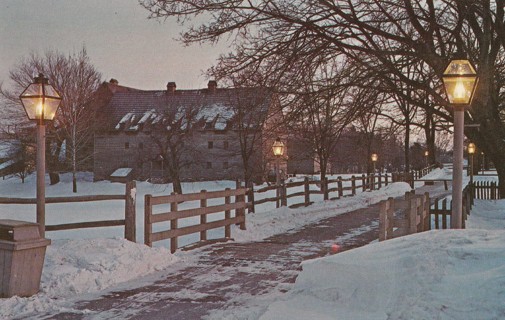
(216, 108)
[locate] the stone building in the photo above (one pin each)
(201, 134)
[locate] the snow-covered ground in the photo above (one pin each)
(440, 274)
(450, 274)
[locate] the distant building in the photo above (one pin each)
(208, 131)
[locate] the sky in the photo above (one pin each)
(120, 41)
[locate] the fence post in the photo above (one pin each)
(227, 215)
(306, 190)
(174, 243)
(427, 212)
(130, 214)
(203, 217)
(284, 198)
(444, 214)
(241, 211)
(380, 180)
(437, 224)
(325, 188)
(353, 185)
(386, 219)
(340, 188)
(250, 198)
(411, 216)
(148, 226)
(363, 179)
(386, 179)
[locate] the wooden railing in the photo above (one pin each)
(415, 216)
(174, 214)
(330, 189)
(130, 214)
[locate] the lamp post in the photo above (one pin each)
(460, 81)
(471, 151)
(426, 154)
(374, 160)
(278, 150)
(40, 101)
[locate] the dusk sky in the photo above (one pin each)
(120, 41)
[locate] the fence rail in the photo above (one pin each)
(330, 189)
(174, 214)
(128, 222)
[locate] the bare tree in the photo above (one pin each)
(76, 79)
(276, 37)
(171, 133)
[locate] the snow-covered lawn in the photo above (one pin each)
(439, 274)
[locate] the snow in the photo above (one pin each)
(449, 274)
(121, 172)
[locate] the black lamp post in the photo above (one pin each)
(460, 81)
(41, 101)
(278, 150)
(471, 151)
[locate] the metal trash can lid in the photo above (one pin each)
(15, 230)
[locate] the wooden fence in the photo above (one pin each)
(174, 214)
(412, 218)
(130, 215)
(486, 190)
(330, 189)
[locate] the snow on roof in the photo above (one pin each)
(148, 115)
(121, 172)
(130, 116)
(6, 164)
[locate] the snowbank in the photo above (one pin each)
(76, 267)
(450, 274)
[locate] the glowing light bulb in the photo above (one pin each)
(39, 109)
(459, 92)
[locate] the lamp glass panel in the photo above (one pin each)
(460, 89)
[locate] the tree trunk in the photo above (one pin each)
(406, 148)
(74, 183)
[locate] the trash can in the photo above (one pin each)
(22, 253)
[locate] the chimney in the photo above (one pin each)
(171, 87)
(212, 85)
(113, 81)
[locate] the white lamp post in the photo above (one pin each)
(471, 151)
(460, 81)
(40, 101)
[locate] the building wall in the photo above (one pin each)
(213, 155)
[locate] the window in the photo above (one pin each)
(209, 165)
(127, 145)
(225, 165)
(225, 145)
(210, 144)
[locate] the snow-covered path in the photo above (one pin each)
(225, 280)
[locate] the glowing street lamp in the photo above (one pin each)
(41, 101)
(374, 160)
(278, 150)
(460, 81)
(471, 151)
(426, 154)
